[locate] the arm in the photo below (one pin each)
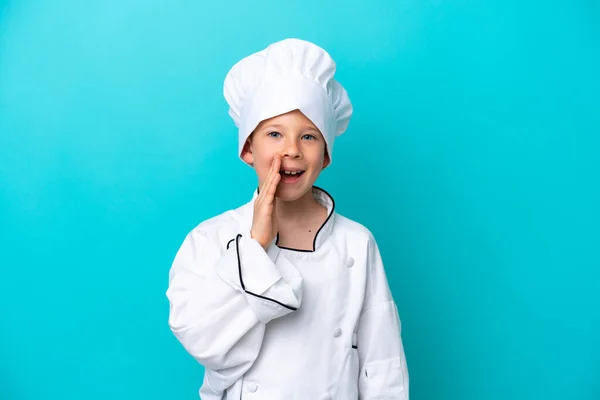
(220, 301)
(383, 368)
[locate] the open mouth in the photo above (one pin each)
(290, 177)
(290, 174)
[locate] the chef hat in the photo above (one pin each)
(288, 75)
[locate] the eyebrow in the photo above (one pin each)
(278, 126)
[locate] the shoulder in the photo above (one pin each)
(353, 229)
(219, 229)
(358, 239)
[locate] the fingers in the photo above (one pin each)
(273, 187)
(272, 184)
(272, 176)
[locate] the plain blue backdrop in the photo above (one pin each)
(473, 156)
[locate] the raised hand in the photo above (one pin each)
(264, 223)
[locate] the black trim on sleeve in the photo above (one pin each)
(228, 243)
(237, 248)
(273, 300)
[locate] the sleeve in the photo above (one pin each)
(382, 360)
(221, 297)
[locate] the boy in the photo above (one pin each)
(283, 298)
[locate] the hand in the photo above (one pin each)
(264, 223)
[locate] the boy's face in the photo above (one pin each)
(302, 149)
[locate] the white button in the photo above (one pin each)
(252, 387)
(337, 332)
(350, 262)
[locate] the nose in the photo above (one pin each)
(291, 149)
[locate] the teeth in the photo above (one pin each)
(291, 172)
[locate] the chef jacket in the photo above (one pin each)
(282, 323)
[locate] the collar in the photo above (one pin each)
(323, 198)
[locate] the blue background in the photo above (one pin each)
(473, 156)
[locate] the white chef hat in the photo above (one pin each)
(288, 75)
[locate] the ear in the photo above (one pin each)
(247, 155)
(326, 160)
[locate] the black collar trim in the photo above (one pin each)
(314, 246)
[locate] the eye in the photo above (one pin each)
(274, 134)
(309, 137)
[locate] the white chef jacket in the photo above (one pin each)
(287, 324)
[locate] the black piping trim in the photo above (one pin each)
(327, 219)
(274, 301)
(318, 231)
(228, 243)
(354, 346)
(237, 249)
(293, 249)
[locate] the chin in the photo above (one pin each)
(292, 193)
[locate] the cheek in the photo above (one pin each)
(262, 163)
(265, 160)
(316, 156)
